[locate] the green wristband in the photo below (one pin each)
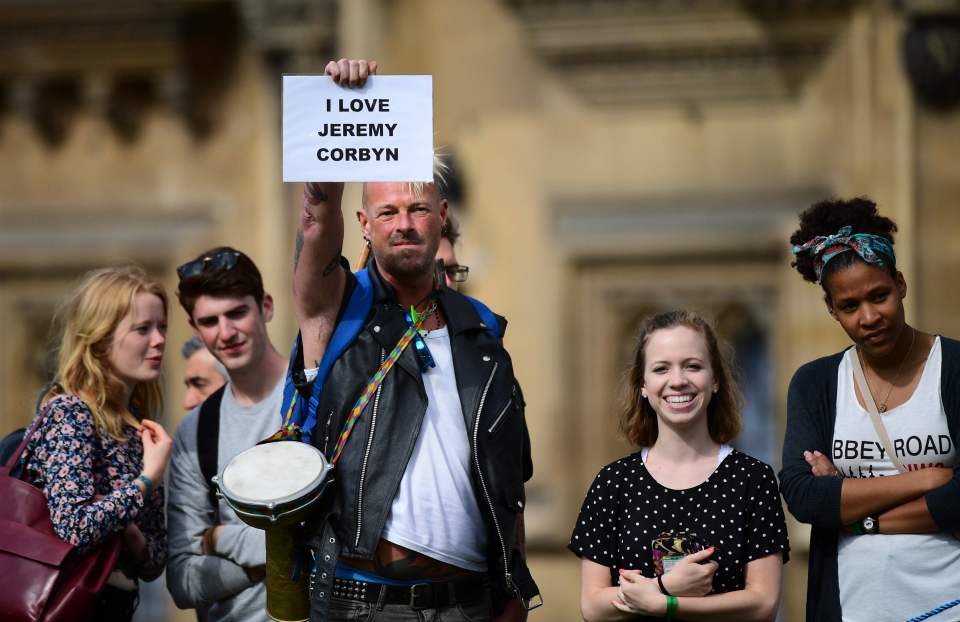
(672, 604)
(147, 485)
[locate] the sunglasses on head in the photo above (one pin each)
(222, 260)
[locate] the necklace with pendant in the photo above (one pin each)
(882, 405)
(424, 357)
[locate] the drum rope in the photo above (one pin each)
(288, 431)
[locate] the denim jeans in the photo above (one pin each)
(342, 610)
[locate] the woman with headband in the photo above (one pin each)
(872, 432)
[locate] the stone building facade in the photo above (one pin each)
(613, 158)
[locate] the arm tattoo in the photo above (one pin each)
(298, 249)
(314, 194)
(333, 264)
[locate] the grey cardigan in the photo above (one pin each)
(811, 414)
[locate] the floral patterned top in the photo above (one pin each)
(67, 459)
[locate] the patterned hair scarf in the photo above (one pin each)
(866, 245)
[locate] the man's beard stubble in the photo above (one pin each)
(403, 264)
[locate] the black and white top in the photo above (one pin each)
(737, 510)
(904, 574)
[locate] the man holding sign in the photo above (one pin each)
(427, 509)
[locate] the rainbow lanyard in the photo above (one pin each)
(291, 431)
(412, 331)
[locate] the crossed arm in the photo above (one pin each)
(195, 577)
(817, 496)
(897, 500)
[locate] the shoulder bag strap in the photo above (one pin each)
(37, 422)
(208, 441)
(871, 405)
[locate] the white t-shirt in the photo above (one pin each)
(894, 576)
(435, 511)
(725, 450)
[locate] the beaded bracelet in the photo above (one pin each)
(147, 485)
(672, 604)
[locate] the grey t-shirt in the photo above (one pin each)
(216, 584)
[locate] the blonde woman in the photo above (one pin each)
(97, 456)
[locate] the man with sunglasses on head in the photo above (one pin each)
(216, 562)
(425, 519)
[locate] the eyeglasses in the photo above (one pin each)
(457, 273)
(222, 260)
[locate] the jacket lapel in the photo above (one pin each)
(388, 327)
(388, 324)
(472, 362)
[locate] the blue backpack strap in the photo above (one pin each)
(351, 323)
(349, 326)
(488, 317)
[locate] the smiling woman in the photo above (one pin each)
(911, 380)
(687, 527)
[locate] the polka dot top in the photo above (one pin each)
(737, 509)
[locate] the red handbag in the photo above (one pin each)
(44, 578)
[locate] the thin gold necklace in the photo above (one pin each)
(882, 406)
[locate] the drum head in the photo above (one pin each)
(273, 473)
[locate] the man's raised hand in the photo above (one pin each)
(350, 72)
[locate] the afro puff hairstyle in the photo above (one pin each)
(826, 218)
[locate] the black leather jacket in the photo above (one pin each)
(368, 474)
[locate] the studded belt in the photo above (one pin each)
(432, 595)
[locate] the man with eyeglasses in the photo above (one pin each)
(425, 519)
(455, 272)
(216, 562)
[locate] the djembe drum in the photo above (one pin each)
(276, 487)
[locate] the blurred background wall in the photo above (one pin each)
(612, 158)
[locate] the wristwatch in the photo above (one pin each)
(870, 524)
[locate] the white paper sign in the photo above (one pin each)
(382, 131)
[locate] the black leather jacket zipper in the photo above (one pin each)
(366, 456)
(508, 578)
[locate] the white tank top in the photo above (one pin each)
(435, 511)
(901, 575)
